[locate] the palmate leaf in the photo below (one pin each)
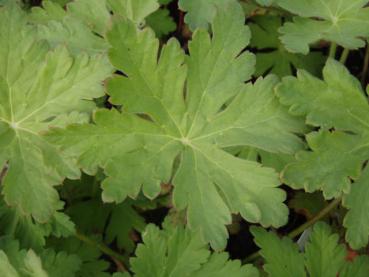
(272, 56)
(323, 256)
(341, 22)
(141, 152)
(38, 88)
(337, 102)
(175, 251)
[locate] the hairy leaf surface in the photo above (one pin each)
(193, 127)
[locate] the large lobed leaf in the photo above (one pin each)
(337, 103)
(39, 89)
(217, 110)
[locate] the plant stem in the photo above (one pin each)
(115, 256)
(299, 230)
(344, 55)
(365, 66)
(332, 50)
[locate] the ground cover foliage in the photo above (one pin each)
(184, 138)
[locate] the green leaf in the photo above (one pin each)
(281, 255)
(121, 230)
(73, 27)
(161, 22)
(341, 22)
(32, 234)
(16, 262)
(337, 102)
(93, 216)
(357, 220)
(92, 264)
(201, 12)
(175, 251)
(323, 255)
(37, 86)
(135, 10)
(358, 268)
(142, 152)
(277, 59)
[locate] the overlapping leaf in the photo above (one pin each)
(16, 262)
(175, 251)
(341, 22)
(83, 24)
(193, 126)
(272, 56)
(31, 234)
(39, 89)
(336, 103)
(323, 255)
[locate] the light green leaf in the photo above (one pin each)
(277, 59)
(142, 152)
(201, 12)
(5, 267)
(177, 252)
(341, 22)
(37, 85)
(73, 27)
(337, 102)
(135, 10)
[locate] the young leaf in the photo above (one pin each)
(38, 86)
(323, 255)
(277, 59)
(175, 251)
(341, 22)
(142, 152)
